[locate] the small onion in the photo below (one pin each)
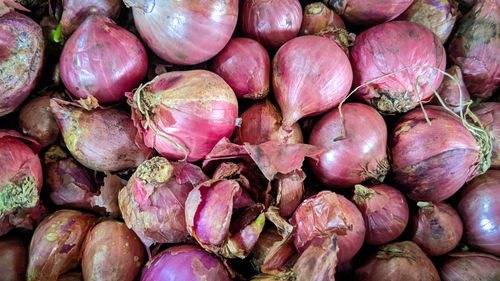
(489, 115)
(317, 17)
(76, 11)
(13, 258)
(469, 266)
(449, 91)
(36, 121)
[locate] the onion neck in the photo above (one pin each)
(426, 207)
(362, 193)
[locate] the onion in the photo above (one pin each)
(289, 194)
(185, 32)
(20, 182)
(101, 139)
(317, 262)
(111, 251)
(21, 55)
(271, 22)
(71, 276)
(430, 162)
(13, 257)
(317, 16)
(474, 47)
(184, 262)
(166, 110)
(355, 146)
(75, 12)
(470, 266)
(103, 60)
(245, 65)
(311, 75)
(436, 228)
(56, 244)
(479, 208)
(36, 121)
(384, 211)
(390, 48)
(152, 203)
(449, 91)
(402, 261)
(489, 115)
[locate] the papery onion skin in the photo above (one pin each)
(469, 266)
(292, 192)
(317, 16)
(245, 66)
(450, 92)
(56, 244)
(272, 252)
(436, 228)
(13, 258)
(475, 46)
(112, 252)
(103, 60)
(358, 155)
(184, 262)
(36, 121)
(489, 115)
(386, 49)
(479, 207)
(430, 162)
(75, 12)
(311, 75)
(186, 32)
(21, 57)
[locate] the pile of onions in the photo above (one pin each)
(435, 227)
(479, 207)
(355, 144)
(185, 32)
(317, 17)
(13, 258)
(245, 66)
(474, 47)
(103, 60)
(450, 92)
(21, 56)
(311, 75)
(408, 53)
(469, 266)
(75, 12)
(432, 161)
(384, 210)
(36, 121)
(489, 115)
(166, 110)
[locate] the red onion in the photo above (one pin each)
(402, 261)
(355, 146)
(20, 182)
(436, 228)
(474, 47)
(449, 91)
(386, 49)
(13, 258)
(470, 266)
(166, 110)
(103, 60)
(245, 65)
(317, 16)
(489, 115)
(317, 262)
(184, 262)
(432, 161)
(101, 139)
(152, 203)
(311, 75)
(21, 55)
(479, 206)
(111, 251)
(271, 22)
(56, 244)
(75, 12)
(384, 211)
(185, 32)
(36, 121)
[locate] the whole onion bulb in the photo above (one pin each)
(245, 65)
(355, 146)
(184, 262)
(36, 121)
(469, 266)
(311, 75)
(21, 56)
(13, 258)
(75, 12)
(167, 109)
(103, 60)
(317, 17)
(407, 52)
(479, 208)
(384, 210)
(100, 139)
(185, 32)
(489, 115)
(271, 22)
(449, 91)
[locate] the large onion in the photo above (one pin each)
(76, 11)
(317, 17)
(454, 96)
(489, 115)
(36, 121)
(13, 258)
(469, 266)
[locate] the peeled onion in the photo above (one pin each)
(469, 266)
(76, 11)
(489, 115)
(13, 258)
(36, 121)
(317, 17)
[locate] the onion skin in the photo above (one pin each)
(470, 266)
(479, 208)
(186, 32)
(184, 262)
(475, 46)
(111, 251)
(432, 162)
(272, 252)
(13, 258)
(436, 228)
(385, 49)
(488, 113)
(360, 155)
(75, 12)
(317, 16)
(101, 139)
(402, 261)
(311, 75)
(245, 66)
(36, 121)
(103, 60)
(449, 91)
(21, 56)
(56, 244)
(291, 192)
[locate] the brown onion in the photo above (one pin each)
(450, 92)
(469, 266)
(36, 121)
(13, 258)
(317, 17)
(489, 115)
(76, 11)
